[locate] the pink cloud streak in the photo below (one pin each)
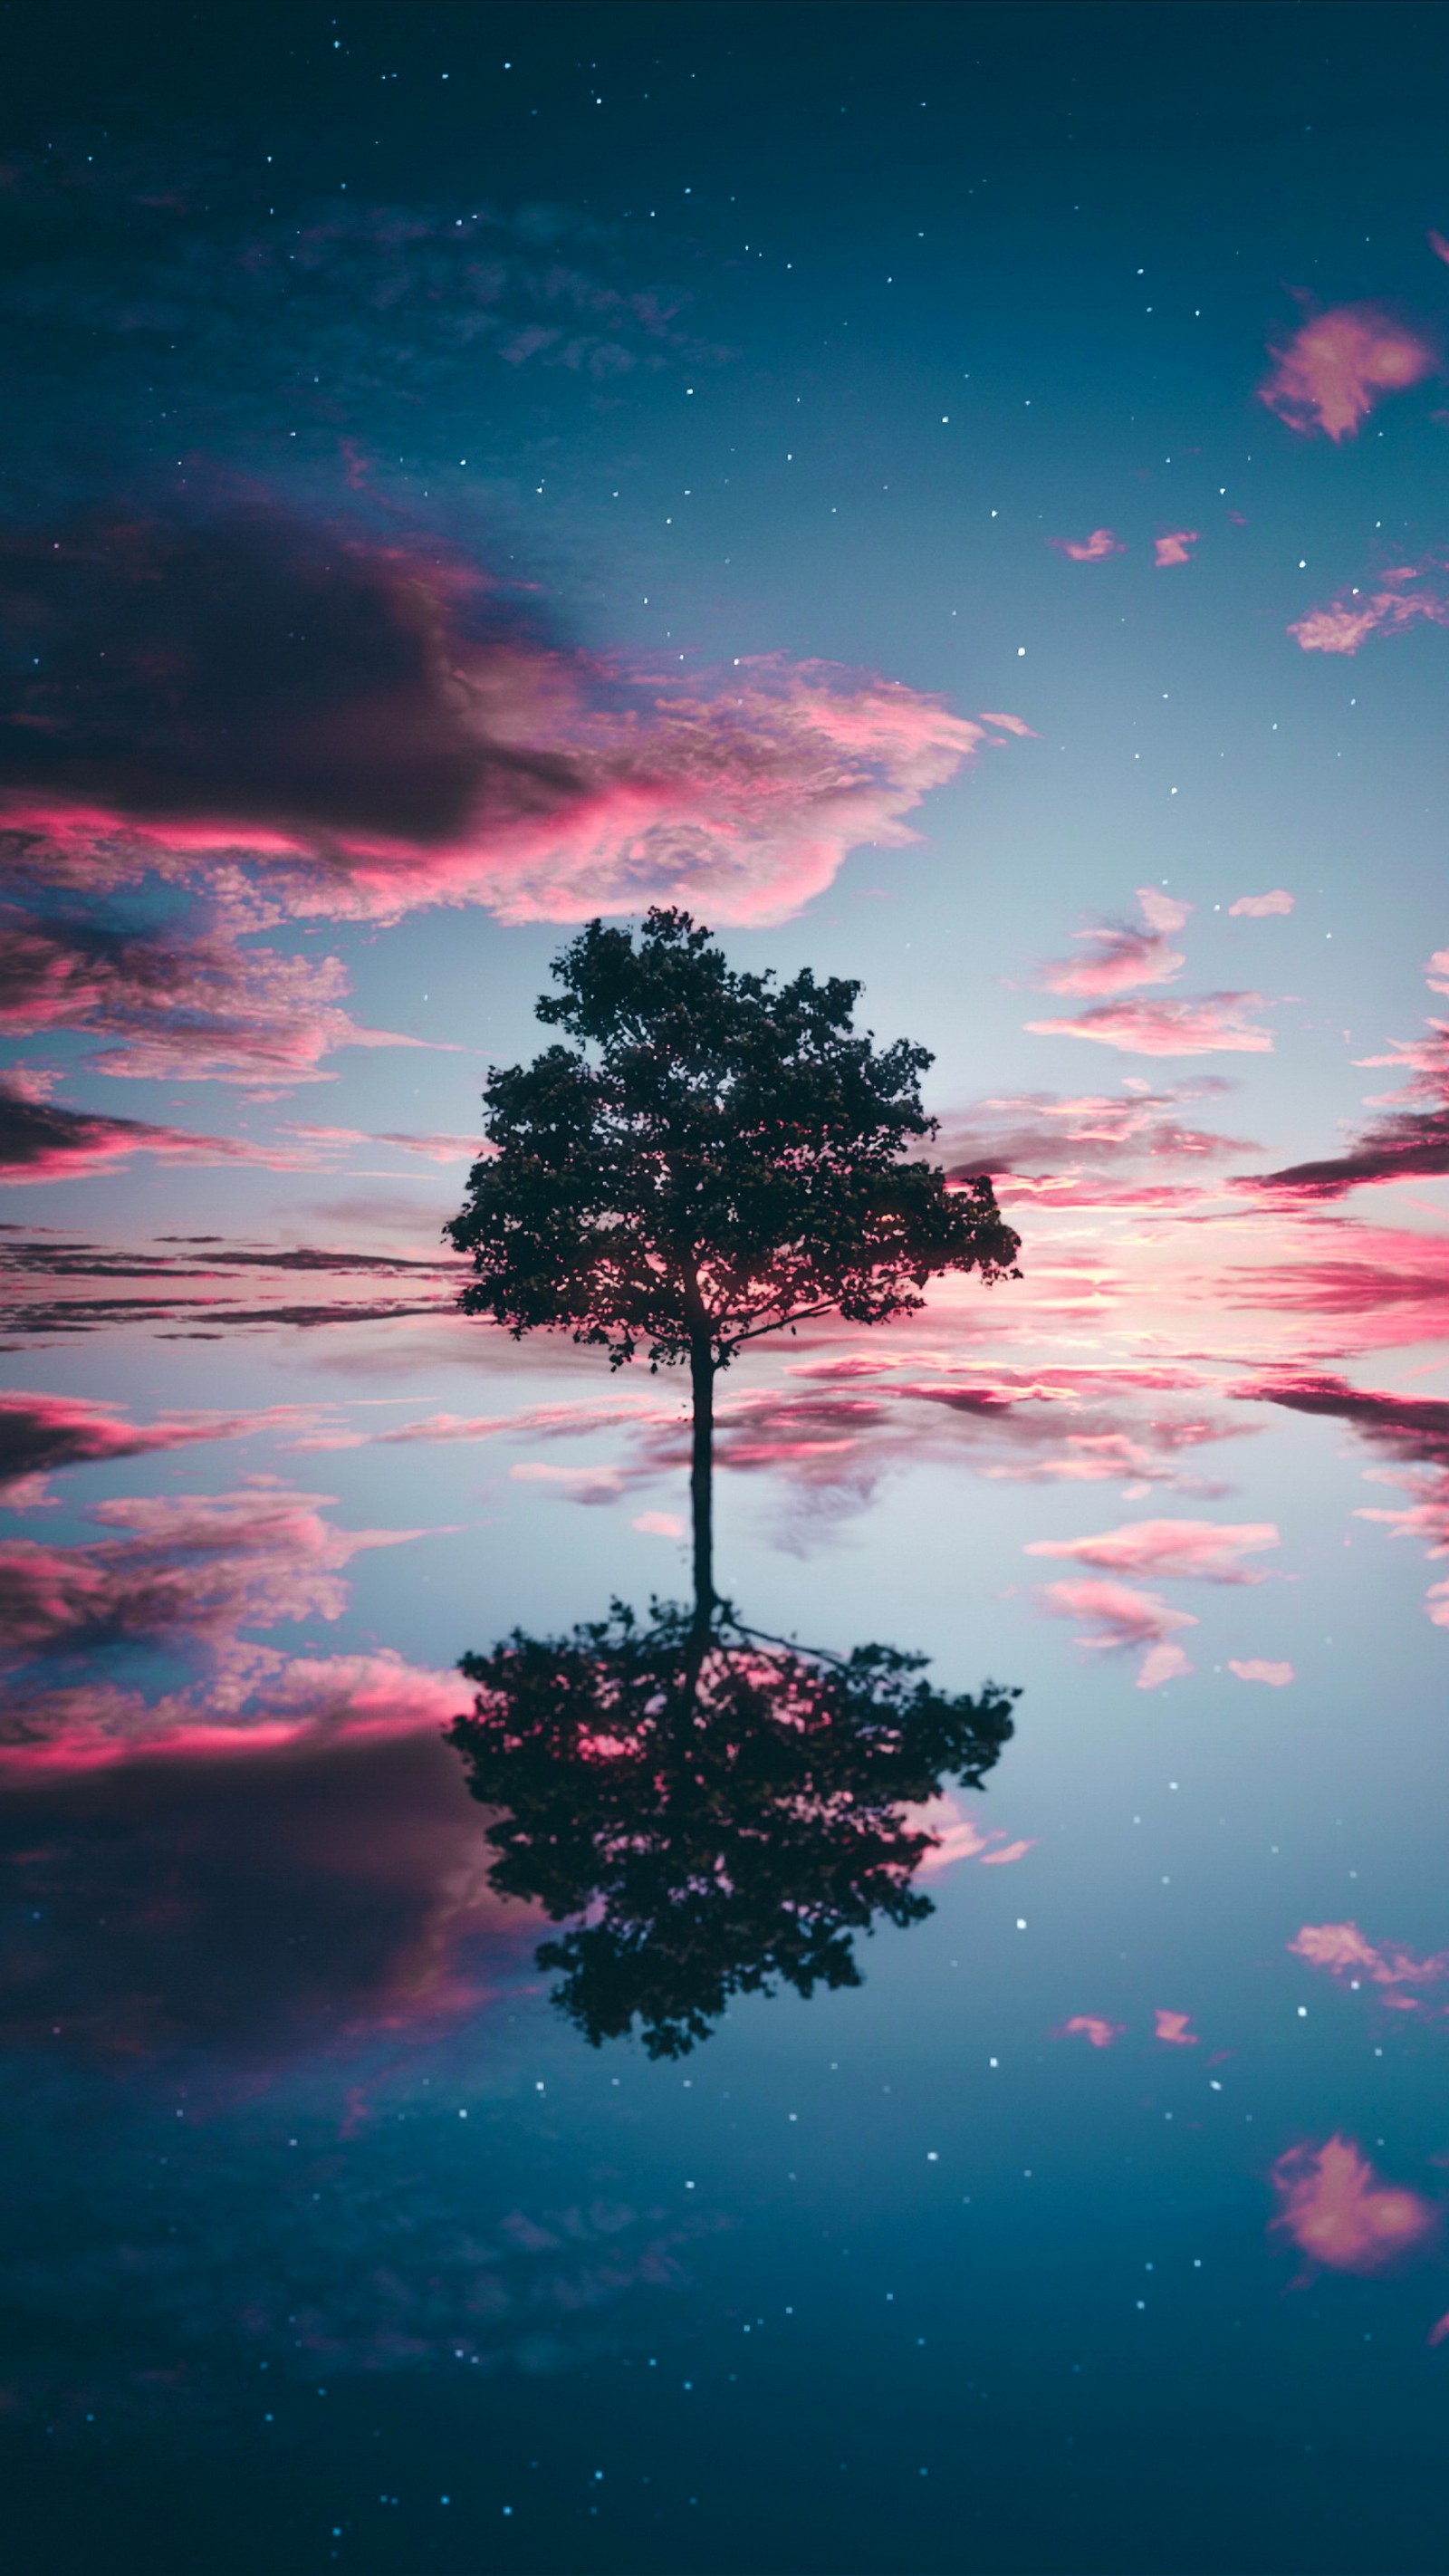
(1208, 1551)
(1174, 548)
(1217, 1024)
(1092, 2028)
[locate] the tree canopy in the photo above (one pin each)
(712, 1828)
(718, 1155)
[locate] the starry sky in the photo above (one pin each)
(954, 496)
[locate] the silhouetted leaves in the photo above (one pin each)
(717, 1819)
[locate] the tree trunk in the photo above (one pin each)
(701, 1479)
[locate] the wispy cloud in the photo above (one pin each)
(1217, 1024)
(1120, 956)
(177, 1009)
(1092, 549)
(1257, 1668)
(1347, 1954)
(1261, 907)
(1338, 365)
(957, 1836)
(1411, 1142)
(1207, 1551)
(192, 1570)
(40, 1434)
(42, 1141)
(1173, 548)
(1091, 2027)
(1124, 1618)
(1348, 621)
(1337, 2212)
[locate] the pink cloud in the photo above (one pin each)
(1337, 366)
(1371, 1287)
(577, 1484)
(41, 1433)
(659, 1524)
(41, 1141)
(1339, 2214)
(1120, 956)
(1209, 1551)
(1253, 1668)
(1162, 911)
(1091, 2027)
(1438, 244)
(1175, 548)
(273, 1704)
(1125, 1618)
(1348, 621)
(190, 1570)
(1013, 724)
(956, 1836)
(1092, 549)
(1173, 2029)
(1348, 1954)
(1259, 907)
(178, 1009)
(426, 748)
(435, 1148)
(1217, 1024)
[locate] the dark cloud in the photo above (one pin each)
(1412, 1427)
(1411, 1145)
(314, 1891)
(39, 1434)
(41, 1141)
(254, 671)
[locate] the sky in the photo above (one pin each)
(953, 497)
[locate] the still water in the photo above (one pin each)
(1099, 2226)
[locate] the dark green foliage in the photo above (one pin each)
(722, 1821)
(715, 1157)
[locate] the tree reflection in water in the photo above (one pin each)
(718, 1818)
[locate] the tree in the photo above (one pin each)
(709, 1825)
(716, 1157)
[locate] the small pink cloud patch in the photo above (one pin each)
(1173, 2029)
(1092, 549)
(1338, 2213)
(1330, 375)
(956, 1836)
(658, 1525)
(1174, 548)
(1123, 1618)
(1255, 1668)
(1259, 907)
(1439, 2331)
(1091, 2027)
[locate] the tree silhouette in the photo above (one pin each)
(715, 1824)
(717, 1157)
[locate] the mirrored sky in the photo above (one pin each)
(954, 496)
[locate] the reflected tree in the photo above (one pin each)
(709, 1825)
